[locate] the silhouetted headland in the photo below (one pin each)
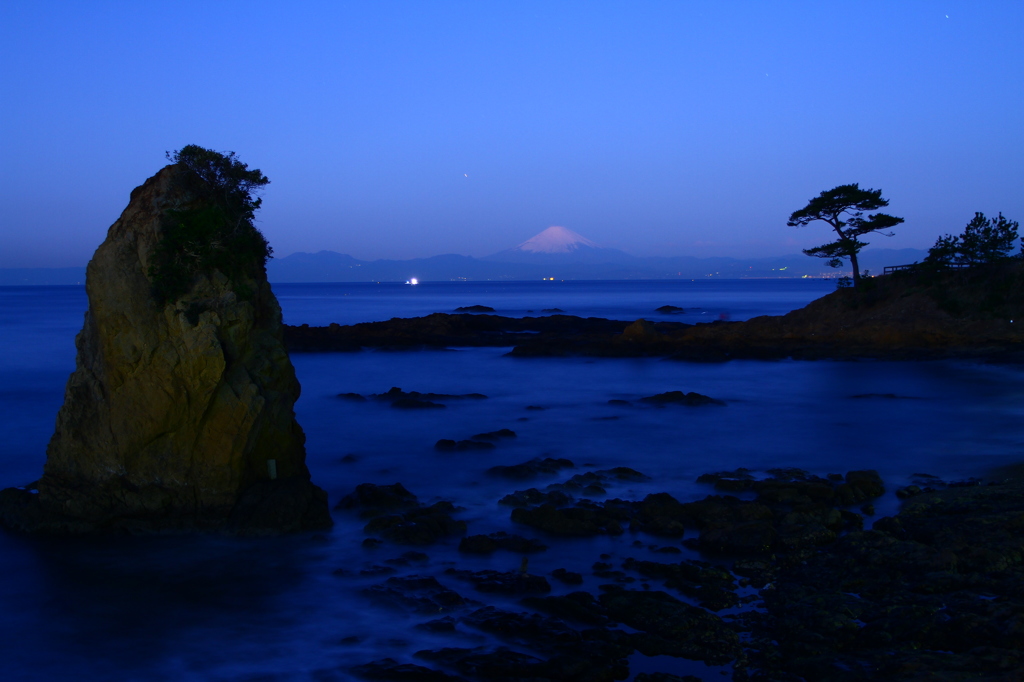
(914, 314)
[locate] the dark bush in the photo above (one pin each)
(213, 228)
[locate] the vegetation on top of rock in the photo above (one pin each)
(843, 209)
(213, 227)
(983, 241)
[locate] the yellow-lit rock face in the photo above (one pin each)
(172, 412)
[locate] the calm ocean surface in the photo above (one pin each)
(210, 608)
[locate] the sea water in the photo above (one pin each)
(213, 608)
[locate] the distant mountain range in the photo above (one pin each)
(560, 253)
(557, 253)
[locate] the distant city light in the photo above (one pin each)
(413, 280)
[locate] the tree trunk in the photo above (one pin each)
(856, 270)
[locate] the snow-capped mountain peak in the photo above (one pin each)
(555, 239)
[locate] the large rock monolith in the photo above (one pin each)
(179, 414)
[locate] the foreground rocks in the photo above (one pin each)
(397, 515)
(179, 415)
(936, 592)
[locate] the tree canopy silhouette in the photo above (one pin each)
(983, 241)
(213, 228)
(843, 208)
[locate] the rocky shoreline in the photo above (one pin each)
(975, 313)
(795, 580)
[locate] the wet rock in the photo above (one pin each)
(800, 535)
(851, 520)
(511, 582)
(759, 572)
(594, 482)
(485, 544)
(670, 627)
(536, 408)
(524, 629)
(279, 506)
(567, 577)
(580, 607)
(375, 570)
(908, 491)
(408, 558)
(390, 670)
(481, 663)
(373, 500)
(420, 526)
(729, 481)
(752, 537)
(495, 435)
(513, 666)
(448, 445)
(660, 514)
(665, 550)
(640, 331)
(474, 309)
(717, 510)
(679, 398)
(419, 594)
(569, 521)
(532, 468)
(595, 655)
(415, 404)
(860, 486)
(396, 394)
(712, 586)
(533, 497)
(933, 593)
(440, 625)
(890, 525)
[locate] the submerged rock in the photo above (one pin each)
(447, 444)
(399, 398)
(669, 627)
(511, 582)
(485, 544)
(180, 412)
(495, 435)
(680, 398)
(532, 468)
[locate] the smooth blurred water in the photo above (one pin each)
(320, 304)
(199, 608)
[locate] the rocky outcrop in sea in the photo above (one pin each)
(179, 414)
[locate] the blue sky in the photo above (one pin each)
(409, 129)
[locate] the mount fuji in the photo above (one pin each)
(556, 245)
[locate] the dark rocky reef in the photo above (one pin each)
(396, 514)
(918, 314)
(793, 586)
(442, 330)
(178, 415)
